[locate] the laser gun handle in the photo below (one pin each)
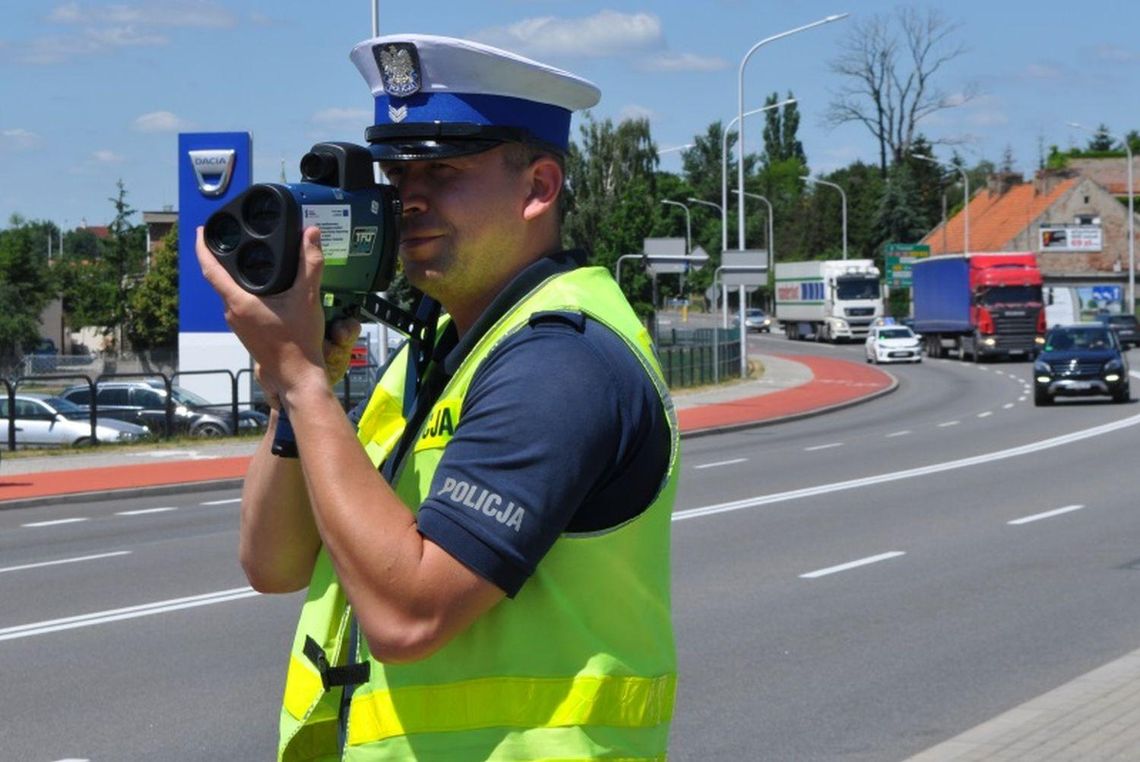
(284, 443)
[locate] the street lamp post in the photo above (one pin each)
(740, 108)
(966, 190)
(688, 225)
(843, 198)
(771, 229)
(688, 235)
(1131, 218)
(724, 166)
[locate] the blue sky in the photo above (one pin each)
(91, 92)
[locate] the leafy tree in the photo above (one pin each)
(1102, 140)
(152, 306)
(890, 85)
(1133, 139)
(780, 127)
(899, 219)
(611, 197)
(123, 256)
(25, 286)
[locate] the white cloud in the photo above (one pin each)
(106, 156)
(634, 111)
(1116, 55)
(671, 62)
(1042, 71)
(199, 14)
(160, 121)
(19, 139)
(605, 33)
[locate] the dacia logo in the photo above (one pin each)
(213, 169)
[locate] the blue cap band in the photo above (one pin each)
(547, 123)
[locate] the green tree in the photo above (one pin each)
(152, 307)
(611, 196)
(780, 128)
(123, 256)
(25, 286)
(899, 218)
(1101, 141)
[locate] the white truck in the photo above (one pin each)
(832, 299)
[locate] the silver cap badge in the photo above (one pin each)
(399, 68)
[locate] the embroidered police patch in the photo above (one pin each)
(399, 68)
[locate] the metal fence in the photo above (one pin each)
(686, 356)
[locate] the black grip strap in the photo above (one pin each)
(333, 677)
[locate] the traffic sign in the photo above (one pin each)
(744, 268)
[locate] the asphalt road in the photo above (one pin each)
(860, 585)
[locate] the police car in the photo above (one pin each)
(893, 343)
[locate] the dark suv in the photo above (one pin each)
(1126, 327)
(144, 402)
(1080, 360)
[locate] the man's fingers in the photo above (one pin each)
(312, 257)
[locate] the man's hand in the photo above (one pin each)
(284, 332)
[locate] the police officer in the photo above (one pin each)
(488, 567)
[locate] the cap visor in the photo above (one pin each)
(424, 150)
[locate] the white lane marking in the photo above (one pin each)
(910, 473)
(823, 446)
(1022, 398)
(698, 468)
(130, 612)
(73, 759)
(222, 502)
(1046, 515)
(75, 560)
(1007, 406)
(180, 454)
(53, 523)
(899, 433)
(986, 414)
(852, 565)
(142, 511)
(948, 423)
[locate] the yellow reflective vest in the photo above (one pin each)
(579, 665)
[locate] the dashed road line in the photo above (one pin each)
(56, 522)
(734, 461)
(77, 559)
(1046, 515)
(986, 414)
(852, 565)
(898, 433)
(143, 511)
(222, 502)
(827, 446)
(948, 423)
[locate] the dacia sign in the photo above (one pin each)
(213, 167)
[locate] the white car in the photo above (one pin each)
(893, 343)
(43, 421)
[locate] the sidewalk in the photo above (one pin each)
(790, 386)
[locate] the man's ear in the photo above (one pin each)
(545, 184)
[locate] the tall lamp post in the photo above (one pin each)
(724, 167)
(966, 189)
(740, 107)
(1131, 218)
(688, 235)
(724, 233)
(843, 198)
(771, 230)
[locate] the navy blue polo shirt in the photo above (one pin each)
(562, 431)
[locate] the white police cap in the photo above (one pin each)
(442, 96)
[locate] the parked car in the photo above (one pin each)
(1126, 327)
(756, 319)
(1081, 360)
(892, 343)
(144, 402)
(44, 421)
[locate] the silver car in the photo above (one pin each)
(43, 421)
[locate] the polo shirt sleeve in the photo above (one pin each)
(561, 430)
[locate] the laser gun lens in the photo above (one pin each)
(223, 233)
(262, 211)
(255, 263)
